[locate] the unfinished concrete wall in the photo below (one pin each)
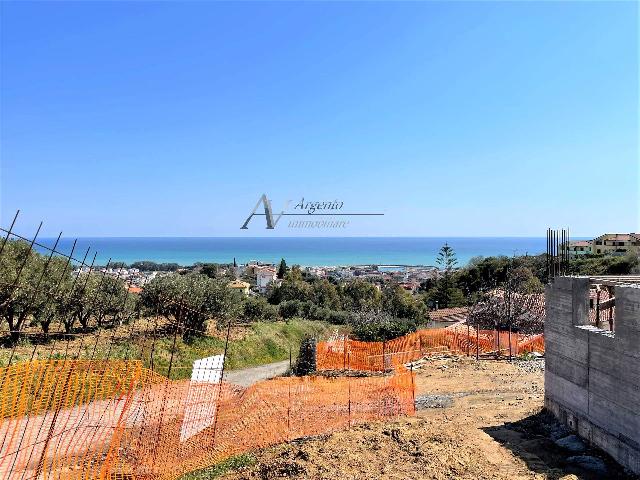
(592, 376)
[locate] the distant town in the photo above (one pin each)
(256, 276)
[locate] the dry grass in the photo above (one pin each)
(254, 344)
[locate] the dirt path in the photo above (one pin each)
(67, 432)
(477, 420)
(249, 376)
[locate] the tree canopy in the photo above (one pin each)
(191, 300)
(282, 269)
(44, 290)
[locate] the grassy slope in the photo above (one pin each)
(263, 343)
(256, 344)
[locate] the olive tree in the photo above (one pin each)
(399, 303)
(191, 300)
(360, 295)
(30, 283)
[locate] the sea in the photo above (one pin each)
(304, 251)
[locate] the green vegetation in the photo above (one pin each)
(375, 312)
(605, 265)
(264, 342)
(191, 300)
(229, 465)
(40, 290)
(462, 287)
(359, 295)
(282, 269)
(258, 309)
(380, 326)
(447, 294)
(149, 266)
(398, 303)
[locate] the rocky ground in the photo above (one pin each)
(476, 420)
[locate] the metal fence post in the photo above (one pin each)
(413, 389)
(289, 411)
(349, 387)
(384, 356)
(344, 353)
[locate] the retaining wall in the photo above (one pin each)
(592, 376)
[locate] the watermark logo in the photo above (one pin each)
(268, 213)
(332, 208)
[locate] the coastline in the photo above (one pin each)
(304, 251)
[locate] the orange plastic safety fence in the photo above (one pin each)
(379, 356)
(63, 416)
(533, 343)
(111, 419)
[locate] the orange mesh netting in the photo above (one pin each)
(379, 356)
(116, 419)
(56, 414)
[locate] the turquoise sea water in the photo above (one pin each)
(303, 251)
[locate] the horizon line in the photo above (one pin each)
(297, 237)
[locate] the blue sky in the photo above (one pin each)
(461, 119)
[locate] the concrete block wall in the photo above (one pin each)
(592, 376)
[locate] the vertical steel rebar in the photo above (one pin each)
(598, 308)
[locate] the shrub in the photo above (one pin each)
(293, 287)
(258, 309)
(290, 308)
(361, 295)
(306, 362)
(379, 326)
(319, 313)
(399, 303)
(306, 309)
(338, 317)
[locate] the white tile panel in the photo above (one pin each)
(200, 408)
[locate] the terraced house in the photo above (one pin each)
(616, 243)
(580, 247)
(609, 243)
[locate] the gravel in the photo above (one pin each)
(531, 366)
(433, 401)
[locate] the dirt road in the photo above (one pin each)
(69, 431)
(249, 376)
(475, 420)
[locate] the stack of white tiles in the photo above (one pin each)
(200, 408)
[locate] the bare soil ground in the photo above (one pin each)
(477, 420)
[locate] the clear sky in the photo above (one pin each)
(461, 119)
